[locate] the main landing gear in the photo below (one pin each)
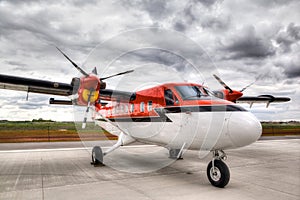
(217, 171)
(175, 154)
(98, 154)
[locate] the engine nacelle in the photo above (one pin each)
(87, 89)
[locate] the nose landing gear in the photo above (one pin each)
(217, 171)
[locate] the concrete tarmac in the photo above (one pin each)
(267, 169)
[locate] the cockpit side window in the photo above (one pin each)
(188, 92)
(169, 97)
(219, 94)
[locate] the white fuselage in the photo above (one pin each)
(192, 130)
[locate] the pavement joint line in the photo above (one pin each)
(68, 149)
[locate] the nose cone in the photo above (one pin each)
(244, 128)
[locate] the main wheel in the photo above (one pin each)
(219, 175)
(97, 156)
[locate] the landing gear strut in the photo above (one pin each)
(98, 154)
(217, 171)
(175, 154)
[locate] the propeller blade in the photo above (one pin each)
(95, 71)
(85, 117)
(126, 72)
(87, 110)
(222, 83)
(73, 63)
(247, 86)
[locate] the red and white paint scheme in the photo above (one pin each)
(177, 116)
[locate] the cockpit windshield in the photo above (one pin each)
(189, 92)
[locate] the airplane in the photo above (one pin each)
(177, 116)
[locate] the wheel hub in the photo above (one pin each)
(93, 156)
(215, 174)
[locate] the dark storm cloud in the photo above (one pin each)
(186, 18)
(207, 2)
(215, 23)
(188, 13)
(293, 71)
(180, 26)
(157, 56)
(155, 8)
(291, 66)
(288, 37)
(272, 3)
(15, 63)
(195, 14)
(74, 2)
(19, 1)
(42, 25)
(248, 44)
(81, 3)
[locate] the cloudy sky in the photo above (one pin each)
(246, 41)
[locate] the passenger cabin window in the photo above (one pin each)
(142, 107)
(131, 108)
(169, 97)
(149, 107)
(125, 109)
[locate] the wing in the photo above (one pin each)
(56, 88)
(116, 95)
(262, 99)
(35, 85)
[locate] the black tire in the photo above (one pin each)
(97, 155)
(221, 176)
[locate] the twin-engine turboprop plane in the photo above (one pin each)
(177, 116)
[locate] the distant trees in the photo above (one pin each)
(42, 120)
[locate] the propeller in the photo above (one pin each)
(94, 70)
(222, 83)
(91, 91)
(227, 87)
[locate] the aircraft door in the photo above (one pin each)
(170, 98)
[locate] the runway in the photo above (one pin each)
(267, 169)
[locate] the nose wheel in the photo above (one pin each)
(218, 172)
